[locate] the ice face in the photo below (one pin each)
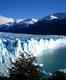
(43, 47)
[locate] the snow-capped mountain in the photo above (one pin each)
(55, 16)
(27, 21)
(60, 15)
(53, 24)
(51, 17)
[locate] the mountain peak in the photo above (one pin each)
(28, 21)
(55, 16)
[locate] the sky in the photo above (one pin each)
(31, 8)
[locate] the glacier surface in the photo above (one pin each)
(12, 45)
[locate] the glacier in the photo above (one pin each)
(13, 45)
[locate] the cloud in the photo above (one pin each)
(4, 20)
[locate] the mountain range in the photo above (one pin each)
(53, 24)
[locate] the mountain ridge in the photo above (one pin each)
(54, 24)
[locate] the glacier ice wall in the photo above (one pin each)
(11, 46)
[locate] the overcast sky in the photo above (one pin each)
(31, 8)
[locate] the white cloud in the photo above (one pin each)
(4, 20)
